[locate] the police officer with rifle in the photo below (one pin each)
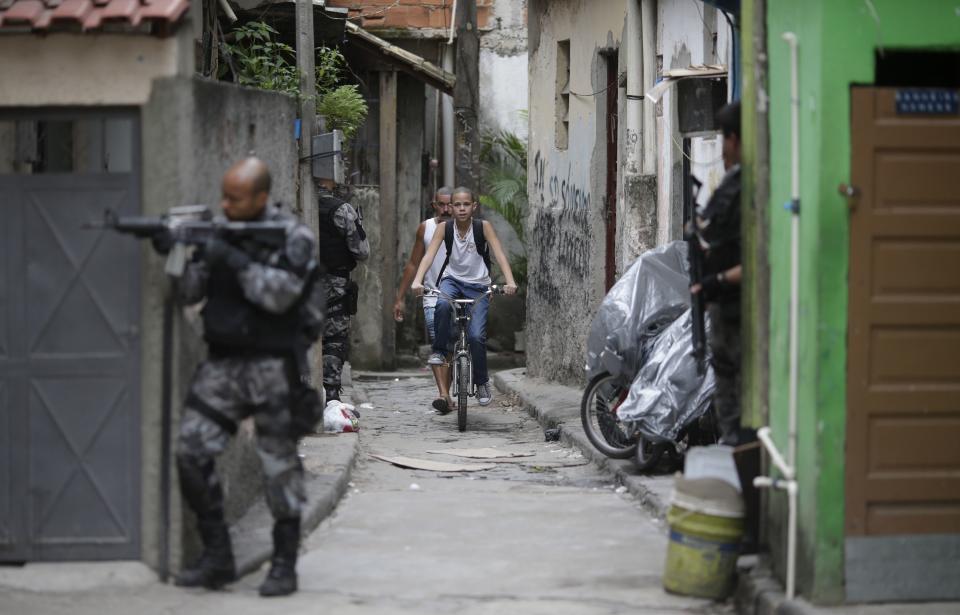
(256, 269)
(715, 274)
(343, 243)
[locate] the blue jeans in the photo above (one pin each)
(477, 329)
(430, 321)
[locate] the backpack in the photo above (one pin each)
(478, 238)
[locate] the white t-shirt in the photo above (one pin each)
(430, 279)
(466, 264)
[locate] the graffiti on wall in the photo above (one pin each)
(562, 223)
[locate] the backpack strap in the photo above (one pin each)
(479, 240)
(448, 243)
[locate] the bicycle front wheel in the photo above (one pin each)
(598, 413)
(463, 385)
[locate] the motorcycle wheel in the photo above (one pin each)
(598, 413)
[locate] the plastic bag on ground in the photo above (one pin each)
(339, 417)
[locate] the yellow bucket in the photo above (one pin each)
(705, 531)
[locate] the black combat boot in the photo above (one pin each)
(282, 578)
(215, 568)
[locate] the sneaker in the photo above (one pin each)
(436, 359)
(484, 394)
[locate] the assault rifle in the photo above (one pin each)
(697, 304)
(695, 260)
(191, 225)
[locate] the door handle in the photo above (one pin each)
(851, 193)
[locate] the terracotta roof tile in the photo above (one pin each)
(73, 10)
(23, 12)
(49, 15)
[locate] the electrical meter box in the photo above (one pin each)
(698, 100)
(327, 155)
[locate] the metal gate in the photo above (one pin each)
(69, 339)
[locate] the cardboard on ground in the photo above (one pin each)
(434, 466)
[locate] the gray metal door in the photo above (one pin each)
(69, 339)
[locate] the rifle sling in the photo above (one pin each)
(202, 407)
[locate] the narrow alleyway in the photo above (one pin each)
(546, 533)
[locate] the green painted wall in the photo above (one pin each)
(837, 40)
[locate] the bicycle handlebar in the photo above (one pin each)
(435, 292)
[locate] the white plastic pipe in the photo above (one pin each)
(765, 437)
(634, 87)
(791, 40)
(791, 487)
(446, 122)
(649, 43)
(788, 466)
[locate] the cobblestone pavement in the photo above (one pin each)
(546, 533)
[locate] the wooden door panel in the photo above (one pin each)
(903, 370)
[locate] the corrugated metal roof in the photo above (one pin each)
(148, 16)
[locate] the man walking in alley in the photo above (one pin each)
(717, 226)
(425, 232)
(252, 322)
(465, 273)
(343, 243)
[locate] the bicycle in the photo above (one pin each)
(462, 386)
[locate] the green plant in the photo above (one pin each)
(259, 61)
(344, 108)
(504, 158)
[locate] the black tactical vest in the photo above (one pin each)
(233, 325)
(722, 228)
(335, 256)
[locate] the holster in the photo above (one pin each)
(351, 299)
(306, 403)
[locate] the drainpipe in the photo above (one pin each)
(446, 108)
(634, 88)
(641, 71)
(446, 105)
(788, 466)
(648, 77)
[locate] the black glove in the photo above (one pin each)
(710, 286)
(162, 241)
(218, 250)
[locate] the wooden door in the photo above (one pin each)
(610, 203)
(903, 375)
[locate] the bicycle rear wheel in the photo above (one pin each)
(463, 385)
(598, 413)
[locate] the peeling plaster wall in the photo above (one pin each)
(88, 69)
(565, 226)
(503, 69)
(685, 37)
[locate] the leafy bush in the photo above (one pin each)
(504, 159)
(260, 62)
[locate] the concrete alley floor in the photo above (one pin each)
(547, 533)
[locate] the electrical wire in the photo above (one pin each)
(617, 82)
(679, 147)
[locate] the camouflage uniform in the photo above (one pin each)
(336, 330)
(227, 388)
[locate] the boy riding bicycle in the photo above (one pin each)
(464, 274)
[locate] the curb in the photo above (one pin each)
(759, 593)
(556, 405)
(328, 461)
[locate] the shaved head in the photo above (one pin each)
(246, 186)
(255, 171)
